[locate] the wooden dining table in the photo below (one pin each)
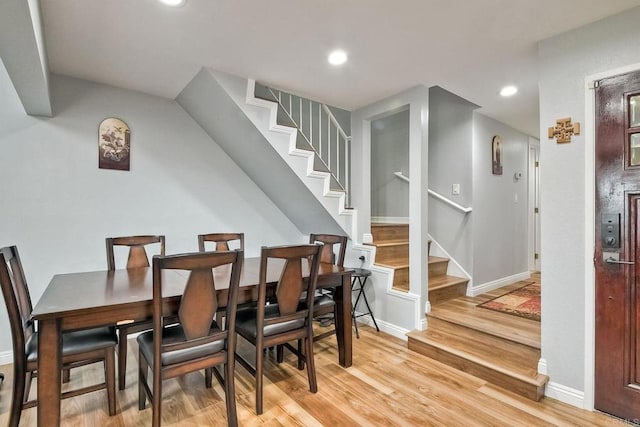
(97, 298)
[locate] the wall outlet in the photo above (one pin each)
(455, 189)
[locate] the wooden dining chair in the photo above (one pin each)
(197, 341)
(288, 319)
(222, 241)
(79, 348)
(137, 258)
(334, 248)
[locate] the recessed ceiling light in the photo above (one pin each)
(337, 57)
(508, 91)
(173, 3)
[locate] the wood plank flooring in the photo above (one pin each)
(388, 385)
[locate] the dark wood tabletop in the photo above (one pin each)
(81, 300)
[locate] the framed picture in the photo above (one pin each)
(114, 144)
(496, 149)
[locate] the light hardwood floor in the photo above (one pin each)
(388, 385)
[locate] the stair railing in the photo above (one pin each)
(437, 195)
(321, 130)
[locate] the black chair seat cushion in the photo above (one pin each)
(175, 334)
(77, 341)
(246, 322)
(322, 301)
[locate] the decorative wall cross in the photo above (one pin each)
(563, 130)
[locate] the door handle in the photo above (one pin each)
(612, 260)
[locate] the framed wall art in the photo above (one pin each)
(496, 149)
(114, 144)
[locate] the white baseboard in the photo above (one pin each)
(390, 219)
(385, 327)
(489, 286)
(565, 394)
(6, 357)
(542, 366)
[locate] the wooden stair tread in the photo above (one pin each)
(386, 243)
(464, 311)
(445, 281)
(398, 266)
(437, 259)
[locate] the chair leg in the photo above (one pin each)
(19, 379)
(311, 368)
(110, 379)
(230, 392)
(300, 356)
(156, 397)
(66, 375)
(369, 308)
(143, 371)
(279, 353)
(208, 373)
(122, 359)
(259, 363)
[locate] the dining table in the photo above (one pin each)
(97, 298)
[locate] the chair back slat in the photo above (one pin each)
(137, 257)
(334, 247)
(199, 304)
(289, 289)
(222, 241)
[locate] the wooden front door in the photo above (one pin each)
(617, 246)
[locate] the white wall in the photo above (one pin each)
(450, 162)
(58, 207)
(389, 154)
(500, 215)
(566, 174)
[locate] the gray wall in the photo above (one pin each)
(450, 162)
(389, 154)
(61, 206)
(566, 199)
(500, 215)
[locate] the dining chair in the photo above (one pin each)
(334, 248)
(221, 241)
(287, 319)
(79, 348)
(197, 341)
(137, 258)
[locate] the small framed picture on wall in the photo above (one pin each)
(496, 148)
(114, 144)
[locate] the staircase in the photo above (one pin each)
(392, 251)
(502, 349)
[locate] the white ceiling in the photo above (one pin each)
(469, 47)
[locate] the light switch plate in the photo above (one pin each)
(455, 189)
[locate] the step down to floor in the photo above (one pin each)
(444, 288)
(505, 363)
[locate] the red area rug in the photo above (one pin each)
(523, 302)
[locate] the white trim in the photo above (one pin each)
(565, 394)
(390, 219)
(454, 268)
(387, 328)
(495, 284)
(542, 366)
(6, 357)
(367, 238)
(589, 236)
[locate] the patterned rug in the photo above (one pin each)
(523, 302)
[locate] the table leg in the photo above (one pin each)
(343, 321)
(49, 368)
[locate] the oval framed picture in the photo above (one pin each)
(496, 148)
(114, 144)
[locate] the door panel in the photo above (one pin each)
(617, 352)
